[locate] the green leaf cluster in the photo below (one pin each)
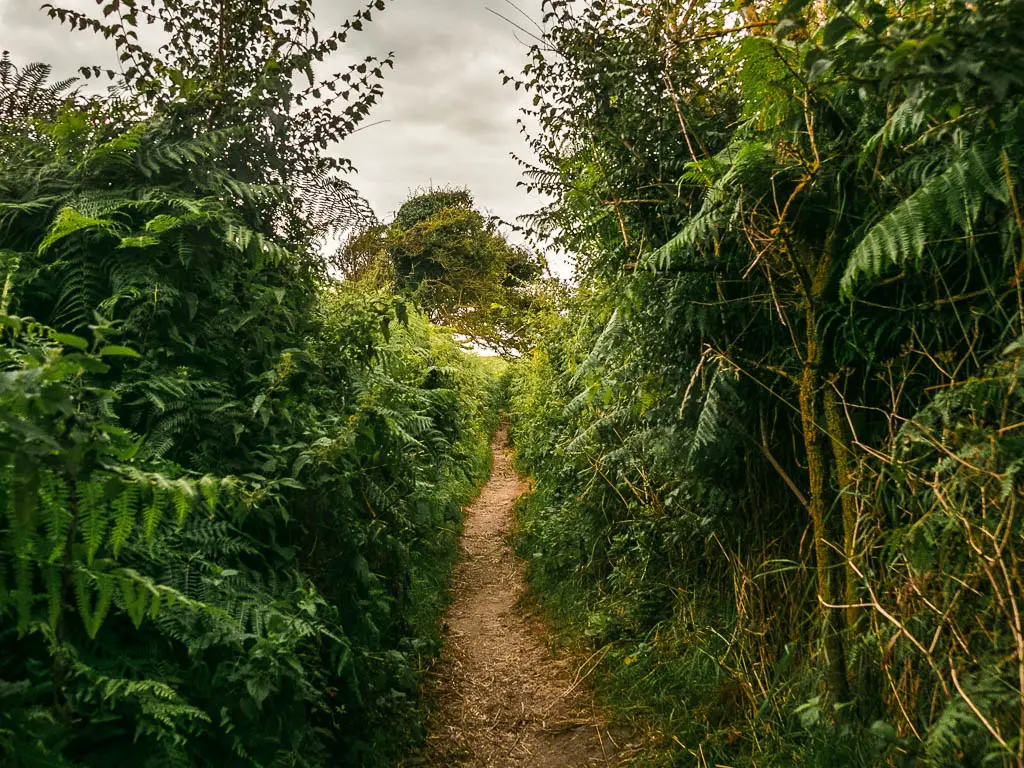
(456, 265)
(230, 488)
(775, 431)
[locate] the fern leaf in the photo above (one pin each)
(183, 496)
(715, 414)
(23, 593)
(92, 516)
(68, 222)
(92, 614)
(954, 197)
(155, 510)
(51, 576)
(125, 514)
(55, 507)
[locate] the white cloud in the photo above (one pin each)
(449, 119)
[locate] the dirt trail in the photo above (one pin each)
(501, 699)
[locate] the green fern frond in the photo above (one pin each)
(125, 516)
(155, 510)
(93, 515)
(55, 508)
(24, 592)
(70, 221)
(157, 158)
(953, 198)
(53, 582)
(716, 412)
(94, 592)
(183, 496)
(609, 338)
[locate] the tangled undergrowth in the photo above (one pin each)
(776, 430)
(230, 487)
(774, 427)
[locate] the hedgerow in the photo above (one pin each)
(230, 486)
(775, 431)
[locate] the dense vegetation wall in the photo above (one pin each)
(775, 432)
(230, 489)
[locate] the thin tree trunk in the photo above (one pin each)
(819, 501)
(841, 455)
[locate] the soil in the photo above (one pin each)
(501, 698)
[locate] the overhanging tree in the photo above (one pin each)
(464, 273)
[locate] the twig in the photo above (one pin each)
(974, 709)
(728, 31)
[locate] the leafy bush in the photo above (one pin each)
(774, 433)
(230, 488)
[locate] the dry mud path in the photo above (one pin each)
(500, 699)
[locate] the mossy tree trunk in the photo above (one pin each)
(819, 469)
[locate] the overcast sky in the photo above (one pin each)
(449, 118)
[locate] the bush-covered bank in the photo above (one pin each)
(229, 487)
(775, 431)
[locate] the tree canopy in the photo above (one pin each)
(454, 262)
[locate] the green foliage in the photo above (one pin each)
(230, 490)
(461, 270)
(251, 68)
(774, 433)
(27, 96)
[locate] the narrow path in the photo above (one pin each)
(502, 700)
